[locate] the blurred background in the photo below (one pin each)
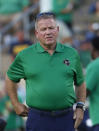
(79, 24)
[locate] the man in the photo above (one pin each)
(50, 70)
(92, 81)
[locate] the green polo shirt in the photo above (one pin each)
(92, 82)
(49, 78)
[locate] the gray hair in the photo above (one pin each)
(44, 15)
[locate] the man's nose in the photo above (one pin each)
(48, 31)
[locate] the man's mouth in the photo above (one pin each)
(49, 38)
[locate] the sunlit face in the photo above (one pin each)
(47, 31)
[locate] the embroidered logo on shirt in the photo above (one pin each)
(67, 62)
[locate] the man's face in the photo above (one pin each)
(47, 31)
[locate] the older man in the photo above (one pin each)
(50, 70)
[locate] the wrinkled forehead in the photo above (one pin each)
(44, 16)
(49, 22)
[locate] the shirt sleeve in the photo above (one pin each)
(16, 70)
(79, 76)
(91, 78)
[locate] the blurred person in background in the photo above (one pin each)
(8, 7)
(84, 52)
(94, 11)
(50, 91)
(85, 45)
(63, 10)
(94, 8)
(10, 10)
(18, 44)
(92, 31)
(92, 82)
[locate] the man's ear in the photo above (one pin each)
(58, 28)
(36, 33)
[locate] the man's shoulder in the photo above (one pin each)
(94, 63)
(27, 50)
(68, 48)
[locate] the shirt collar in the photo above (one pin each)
(40, 49)
(59, 47)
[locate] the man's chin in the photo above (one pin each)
(50, 43)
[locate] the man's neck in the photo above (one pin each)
(49, 48)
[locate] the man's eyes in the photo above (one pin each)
(43, 29)
(50, 28)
